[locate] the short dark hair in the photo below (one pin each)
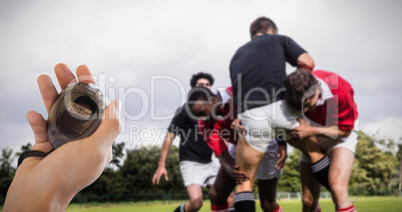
(299, 84)
(197, 94)
(262, 24)
(200, 75)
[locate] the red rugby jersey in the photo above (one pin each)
(215, 133)
(341, 109)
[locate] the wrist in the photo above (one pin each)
(315, 131)
(58, 200)
(35, 197)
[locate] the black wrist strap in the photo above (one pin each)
(32, 153)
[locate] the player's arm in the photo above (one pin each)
(167, 143)
(219, 147)
(342, 127)
(333, 131)
(307, 145)
(305, 62)
(296, 55)
(281, 153)
(226, 161)
(229, 166)
(238, 128)
(305, 130)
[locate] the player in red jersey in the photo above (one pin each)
(219, 113)
(330, 114)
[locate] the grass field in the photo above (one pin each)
(362, 204)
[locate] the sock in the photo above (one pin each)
(220, 208)
(180, 209)
(278, 209)
(244, 201)
(320, 170)
(347, 209)
(232, 209)
(318, 208)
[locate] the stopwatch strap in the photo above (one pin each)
(32, 153)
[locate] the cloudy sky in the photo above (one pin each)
(144, 53)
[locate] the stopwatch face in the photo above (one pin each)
(75, 114)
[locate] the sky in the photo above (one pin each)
(144, 53)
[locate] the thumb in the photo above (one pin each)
(301, 120)
(110, 127)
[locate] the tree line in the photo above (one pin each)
(128, 177)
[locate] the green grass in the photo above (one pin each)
(365, 204)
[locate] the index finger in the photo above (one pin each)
(154, 179)
(159, 178)
(239, 173)
(47, 91)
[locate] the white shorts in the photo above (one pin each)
(266, 170)
(198, 173)
(328, 144)
(264, 123)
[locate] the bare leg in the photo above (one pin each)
(310, 188)
(339, 174)
(248, 159)
(308, 146)
(267, 192)
(195, 198)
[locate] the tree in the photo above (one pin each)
(373, 168)
(24, 148)
(140, 165)
(132, 181)
(290, 180)
(6, 170)
(117, 150)
(399, 153)
(399, 158)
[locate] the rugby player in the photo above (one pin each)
(257, 72)
(330, 116)
(195, 156)
(218, 112)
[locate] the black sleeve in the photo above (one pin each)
(292, 50)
